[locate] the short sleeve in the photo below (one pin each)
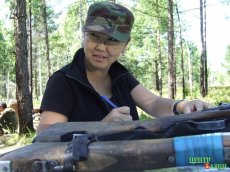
(58, 95)
(131, 82)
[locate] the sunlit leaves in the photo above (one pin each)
(227, 60)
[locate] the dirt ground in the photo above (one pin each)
(3, 148)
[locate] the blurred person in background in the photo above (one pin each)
(8, 119)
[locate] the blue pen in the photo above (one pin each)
(109, 101)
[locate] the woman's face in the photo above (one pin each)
(101, 50)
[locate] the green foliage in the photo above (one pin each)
(218, 95)
(18, 140)
(142, 50)
(227, 60)
(140, 57)
(139, 64)
(146, 15)
(215, 95)
(143, 116)
(58, 57)
(7, 61)
(156, 11)
(71, 26)
(191, 64)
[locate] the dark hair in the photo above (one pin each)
(3, 105)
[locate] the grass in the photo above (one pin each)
(17, 140)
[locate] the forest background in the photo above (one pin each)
(159, 55)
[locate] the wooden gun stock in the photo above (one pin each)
(53, 133)
(131, 155)
(120, 155)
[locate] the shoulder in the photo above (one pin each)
(61, 72)
(119, 74)
(117, 69)
(8, 110)
(59, 76)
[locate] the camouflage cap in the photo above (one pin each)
(111, 19)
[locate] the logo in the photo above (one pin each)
(206, 161)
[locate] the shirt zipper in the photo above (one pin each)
(92, 90)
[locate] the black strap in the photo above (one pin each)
(221, 106)
(181, 128)
(68, 137)
(77, 150)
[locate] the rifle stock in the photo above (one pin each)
(120, 155)
(53, 133)
(131, 155)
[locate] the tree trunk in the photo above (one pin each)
(171, 59)
(30, 45)
(202, 57)
(44, 15)
(182, 55)
(36, 69)
(40, 77)
(190, 70)
(22, 74)
(205, 47)
(159, 75)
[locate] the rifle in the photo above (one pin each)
(131, 146)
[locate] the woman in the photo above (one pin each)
(95, 86)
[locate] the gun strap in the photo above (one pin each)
(77, 150)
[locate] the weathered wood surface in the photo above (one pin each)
(102, 156)
(129, 155)
(53, 133)
(111, 156)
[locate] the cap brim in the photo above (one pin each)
(122, 37)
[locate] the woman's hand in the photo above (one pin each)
(118, 114)
(186, 106)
